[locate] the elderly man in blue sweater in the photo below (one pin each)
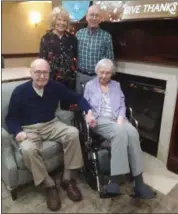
(31, 117)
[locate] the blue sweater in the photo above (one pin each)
(26, 107)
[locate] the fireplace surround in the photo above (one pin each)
(165, 73)
(146, 97)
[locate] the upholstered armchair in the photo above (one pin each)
(14, 172)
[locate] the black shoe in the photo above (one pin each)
(144, 192)
(112, 190)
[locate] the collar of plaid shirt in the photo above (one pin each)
(92, 30)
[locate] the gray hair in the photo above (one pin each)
(58, 11)
(106, 63)
(94, 6)
(38, 61)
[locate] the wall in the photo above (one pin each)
(56, 3)
(18, 34)
(18, 62)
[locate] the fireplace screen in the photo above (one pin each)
(146, 97)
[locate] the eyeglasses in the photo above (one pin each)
(92, 15)
(39, 73)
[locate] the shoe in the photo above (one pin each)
(144, 192)
(73, 191)
(112, 190)
(52, 198)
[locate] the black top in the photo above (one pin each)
(61, 53)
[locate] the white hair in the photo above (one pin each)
(106, 64)
(39, 61)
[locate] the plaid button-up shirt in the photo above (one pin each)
(92, 47)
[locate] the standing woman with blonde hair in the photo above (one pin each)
(59, 48)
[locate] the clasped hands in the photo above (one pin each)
(90, 119)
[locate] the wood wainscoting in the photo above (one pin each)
(19, 55)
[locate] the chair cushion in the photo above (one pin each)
(49, 150)
(66, 117)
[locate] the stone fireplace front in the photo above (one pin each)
(169, 75)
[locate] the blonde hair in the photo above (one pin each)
(53, 16)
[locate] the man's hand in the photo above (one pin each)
(21, 136)
(90, 119)
(120, 120)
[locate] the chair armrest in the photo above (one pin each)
(9, 167)
(66, 117)
(6, 140)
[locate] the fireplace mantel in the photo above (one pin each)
(170, 74)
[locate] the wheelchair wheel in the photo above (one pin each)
(91, 180)
(89, 171)
(93, 177)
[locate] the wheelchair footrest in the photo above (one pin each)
(106, 195)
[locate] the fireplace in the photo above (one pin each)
(146, 97)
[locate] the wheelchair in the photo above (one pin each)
(96, 152)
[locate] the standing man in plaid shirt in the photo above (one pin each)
(94, 44)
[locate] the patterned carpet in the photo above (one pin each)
(32, 200)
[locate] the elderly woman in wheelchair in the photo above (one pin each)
(109, 120)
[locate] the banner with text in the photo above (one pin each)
(150, 9)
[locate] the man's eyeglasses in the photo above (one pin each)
(93, 15)
(39, 73)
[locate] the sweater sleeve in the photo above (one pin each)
(122, 109)
(87, 92)
(65, 93)
(11, 119)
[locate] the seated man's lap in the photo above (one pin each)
(52, 130)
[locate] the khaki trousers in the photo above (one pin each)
(55, 131)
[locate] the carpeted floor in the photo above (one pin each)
(32, 200)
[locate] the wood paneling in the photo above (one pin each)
(153, 41)
(20, 55)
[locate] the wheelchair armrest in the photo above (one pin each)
(83, 127)
(131, 118)
(86, 131)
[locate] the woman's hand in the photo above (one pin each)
(90, 119)
(120, 120)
